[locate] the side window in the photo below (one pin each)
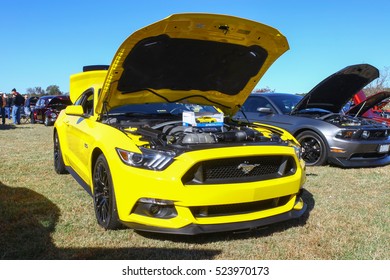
(88, 106)
(86, 101)
(252, 104)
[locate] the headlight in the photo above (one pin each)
(346, 134)
(298, 151)
(53, 115)
(148, 159)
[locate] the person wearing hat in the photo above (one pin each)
(17, 103)
(2, 106)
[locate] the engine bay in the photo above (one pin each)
(164, 132)
(346, 120)
(341, 120)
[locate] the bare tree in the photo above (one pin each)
(380, 84)
(35, 91)
(266, 89)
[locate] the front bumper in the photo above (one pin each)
(359, 153)
(361, 162)
(207, 206)
(195, 229)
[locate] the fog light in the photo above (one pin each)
(155, 208)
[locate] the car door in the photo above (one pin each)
(80, 136)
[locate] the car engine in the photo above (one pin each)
(172, 132)
(346, 120)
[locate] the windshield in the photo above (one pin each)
(285, 102)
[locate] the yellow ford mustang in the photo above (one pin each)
(126, 143)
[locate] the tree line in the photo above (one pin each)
(50, 90)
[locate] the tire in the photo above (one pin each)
(47, 122)
(59, 165)
(103, 196)
(314, 149)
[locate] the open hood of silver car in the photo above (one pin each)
(335, 91)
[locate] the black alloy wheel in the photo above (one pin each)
(59, 165)
(104, 196)
(314, 151)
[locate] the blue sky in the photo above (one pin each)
(43, 42)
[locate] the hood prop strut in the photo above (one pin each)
(361, 107)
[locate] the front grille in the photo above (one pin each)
(375, 134)
(236, 209)
(236, 170)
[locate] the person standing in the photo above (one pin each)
(17, 103)
(2, 106)
(8, 106)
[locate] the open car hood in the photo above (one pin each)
(374, 100)
(195, 58)
(335, 91)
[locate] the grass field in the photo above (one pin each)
(48, 216)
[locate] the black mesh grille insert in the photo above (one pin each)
(378, 134)
(235, 209)
(235, 170)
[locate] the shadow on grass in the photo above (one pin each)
(7, 126)
(27, 220)
(253, 233)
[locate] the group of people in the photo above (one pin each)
(11, 106)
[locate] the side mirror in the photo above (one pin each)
(76, 110)
(264, 110)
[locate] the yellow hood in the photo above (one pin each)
(195, 58)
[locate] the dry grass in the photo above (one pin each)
(47, 216)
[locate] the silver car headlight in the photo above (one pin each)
(148, 159)
(346, 134)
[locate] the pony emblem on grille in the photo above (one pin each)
(247, 168)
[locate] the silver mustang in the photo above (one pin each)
(316, 120)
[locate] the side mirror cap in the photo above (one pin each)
(264, 110)
(76, 110)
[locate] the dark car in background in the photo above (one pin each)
(325, 134)
(48, 107)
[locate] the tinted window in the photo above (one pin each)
(285, 102)
(256, 102)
